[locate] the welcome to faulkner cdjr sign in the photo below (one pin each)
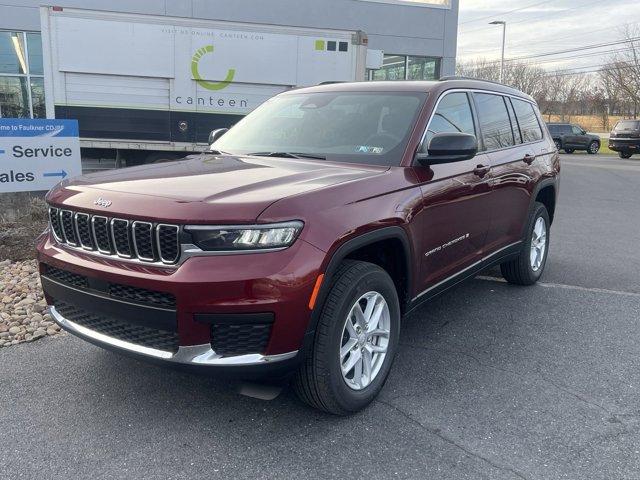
(37, 154)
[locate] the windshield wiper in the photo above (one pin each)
(288, 155)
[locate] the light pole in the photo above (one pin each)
(504, 39)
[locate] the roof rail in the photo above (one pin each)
(456, 77)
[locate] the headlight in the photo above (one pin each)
(245, 237)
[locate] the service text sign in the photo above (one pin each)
(37, 154)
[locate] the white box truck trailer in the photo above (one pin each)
(145, 87)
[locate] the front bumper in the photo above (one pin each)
(196, 355)
(225, 292)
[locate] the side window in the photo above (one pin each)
(514, 121)
(452, 115)
(566, 130)
(528, 120)
(494, 121)
(576, 130)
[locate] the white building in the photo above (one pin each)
(418, 37)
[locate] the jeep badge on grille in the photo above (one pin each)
(101, 202)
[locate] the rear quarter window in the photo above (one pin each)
(528, 120)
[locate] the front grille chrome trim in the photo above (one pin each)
(113, 237)
(80, 242)
(164, 260)
(71, 242)
(55, 213)
(135, 241)
(202, 355)
(95, 235)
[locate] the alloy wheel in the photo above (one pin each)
(365, 340)
(538, 244)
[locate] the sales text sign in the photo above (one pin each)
(37, 154)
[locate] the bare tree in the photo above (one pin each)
(622, 74)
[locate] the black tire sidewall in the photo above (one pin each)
(348, 399)
(589, 149)
(539, 211)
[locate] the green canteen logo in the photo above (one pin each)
(201, 52)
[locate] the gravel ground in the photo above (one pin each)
(23, 316)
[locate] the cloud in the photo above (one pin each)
(545, 27)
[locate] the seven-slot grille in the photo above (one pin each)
(116, 236)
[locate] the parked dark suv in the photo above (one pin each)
(625, 138)
(294, 248)
(570, 137)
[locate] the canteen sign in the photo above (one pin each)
(37, 154)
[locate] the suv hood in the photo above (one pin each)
(203, 189)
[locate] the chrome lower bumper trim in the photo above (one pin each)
(202, 355)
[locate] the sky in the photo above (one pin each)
(540, 27)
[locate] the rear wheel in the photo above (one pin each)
(625, 154)
(569, 150)
(355, 343)
(527, 268)
(594, 147)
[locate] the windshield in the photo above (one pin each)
(627, 125)
(369, 128)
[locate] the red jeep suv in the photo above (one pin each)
(295, 246)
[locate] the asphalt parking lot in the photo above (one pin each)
(492, 382)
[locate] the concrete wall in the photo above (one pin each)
(396, 29)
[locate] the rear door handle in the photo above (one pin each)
(481, 170)
(528, 159)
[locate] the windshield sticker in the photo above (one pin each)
(368, 149)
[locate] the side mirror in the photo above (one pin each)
(216, 134)
(448, 148)
(584, 132)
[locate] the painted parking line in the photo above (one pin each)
(567, 287)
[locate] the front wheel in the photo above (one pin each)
(594, 147)
(355, 342)
(625, 155)
(527, 268)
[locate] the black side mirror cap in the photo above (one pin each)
(216, 134)
(448, 148)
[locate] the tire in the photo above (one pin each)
(569, 150)
(594, 148)
(625, 155)
(521, 270)
(320, 381)
(558, 144)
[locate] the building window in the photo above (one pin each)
(407, 67)
(21, 75)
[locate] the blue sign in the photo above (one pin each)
(37, 154)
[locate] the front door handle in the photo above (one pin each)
(528, 159)
(481, 170)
